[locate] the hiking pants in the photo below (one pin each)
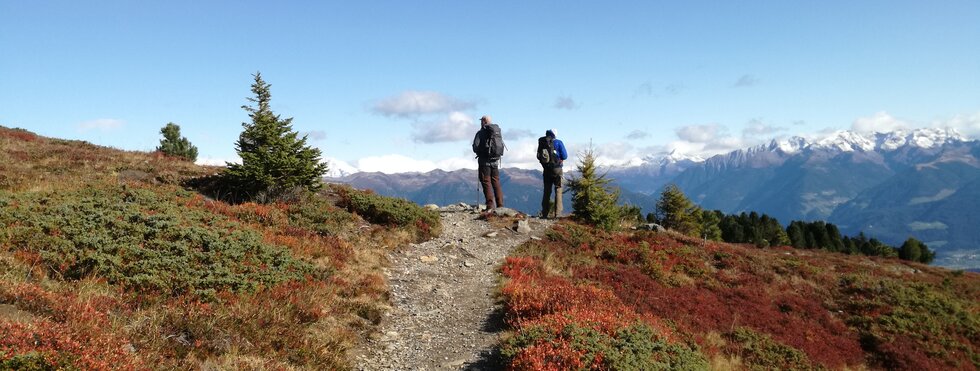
(489, 176)
(552, 179)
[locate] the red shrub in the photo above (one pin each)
(548, 357)
(77, 331)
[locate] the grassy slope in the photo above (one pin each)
(642, 300)
(107, 262)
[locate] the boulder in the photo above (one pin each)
(522, 226)
(651, 227)
(505, 211)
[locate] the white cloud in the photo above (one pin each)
(413, 103)
(100, 125)
(457, 126)
(637, 134)
(566, 103)
(746, 81)
(968, 125)
(879, 123)
(707, 140)
(521, 154)
(394, 164)
(515, 134)
(616, 154)
(699, 133)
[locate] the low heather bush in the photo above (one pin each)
(389, 211)
(142, 239)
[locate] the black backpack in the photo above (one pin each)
(491, 142)
(546, 152)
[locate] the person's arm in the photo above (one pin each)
(476, 141)
(562, 154)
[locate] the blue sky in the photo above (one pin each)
(400, 85)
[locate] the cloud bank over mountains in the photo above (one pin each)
(434, 121)
(439, 119)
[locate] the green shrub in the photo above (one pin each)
(319, 215)
(391, 211)
(33, 362)
(635, 347)
(761, 352)
(143, 240)
(885, 310)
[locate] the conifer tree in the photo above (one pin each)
(677, 212)
(795, 234)
(710, 229)
(175, 145)
(914, 250)
(593, 199)
(275, 160)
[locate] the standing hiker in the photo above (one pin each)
(489, 146)
(551, 154)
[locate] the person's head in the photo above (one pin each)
(485, 120)
(551, 133)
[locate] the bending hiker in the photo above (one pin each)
(551, 154)
(489, 146)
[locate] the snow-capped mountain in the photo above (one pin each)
(654, 171)
(338, 168)
(849, 141)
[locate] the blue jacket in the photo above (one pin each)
(560, 149)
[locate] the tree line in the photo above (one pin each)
(675, 211)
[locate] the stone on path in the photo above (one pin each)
(505, 211)
(522, 226)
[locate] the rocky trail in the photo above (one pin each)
(444, 313)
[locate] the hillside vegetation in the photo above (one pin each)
(587, 298)
(107, 261)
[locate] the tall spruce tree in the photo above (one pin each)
(275, 160)
(594, 201)
(175, 145)
(677, 212)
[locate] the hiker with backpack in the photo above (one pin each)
(488, 145)
(551, 154)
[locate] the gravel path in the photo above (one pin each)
(443, 315)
